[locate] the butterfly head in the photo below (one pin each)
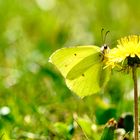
(105, 49)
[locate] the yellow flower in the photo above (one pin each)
(128, 48)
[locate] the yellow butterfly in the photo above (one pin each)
(82, 67)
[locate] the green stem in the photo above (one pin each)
(136, 123)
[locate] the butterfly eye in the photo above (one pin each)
(105, 47)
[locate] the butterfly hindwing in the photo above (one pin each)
(88, 83)
(105, 74)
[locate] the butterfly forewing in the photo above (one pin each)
(66, 58)
(83, 65)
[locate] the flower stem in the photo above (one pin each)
(136, 123)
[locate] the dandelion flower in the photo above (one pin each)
(127, 52)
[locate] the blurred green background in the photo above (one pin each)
(34, 100)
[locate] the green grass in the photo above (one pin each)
(40, 105)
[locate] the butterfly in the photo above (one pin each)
(82, 67)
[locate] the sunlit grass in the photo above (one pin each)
(37, 101)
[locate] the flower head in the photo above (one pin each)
(128, 48)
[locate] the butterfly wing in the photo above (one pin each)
(90, 82)
(104, 76)
(66, 59)
(83, 65)
(82, 68)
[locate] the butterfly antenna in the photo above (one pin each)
(102, 35)
(105, 36)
